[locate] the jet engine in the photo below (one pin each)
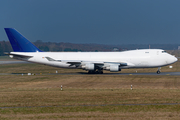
(114, 68)
(89, 66)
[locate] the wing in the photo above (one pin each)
(92, 65)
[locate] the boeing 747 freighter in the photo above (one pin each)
(93, 62)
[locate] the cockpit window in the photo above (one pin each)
(163, 51)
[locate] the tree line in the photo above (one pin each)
(5, 46)
(71, 47)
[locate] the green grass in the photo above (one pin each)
(98, 112)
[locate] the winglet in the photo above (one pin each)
(19, 43)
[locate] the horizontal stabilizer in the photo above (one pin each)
(18, 55)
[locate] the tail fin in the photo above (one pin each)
(19, 43)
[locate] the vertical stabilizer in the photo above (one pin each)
(19, 43)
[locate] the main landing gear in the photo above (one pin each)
(95, 72)
(158, 71)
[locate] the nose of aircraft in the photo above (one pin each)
(173, 59)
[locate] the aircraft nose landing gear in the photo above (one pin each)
(158, 71)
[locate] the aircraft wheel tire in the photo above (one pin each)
(158, 72)
(95, 72)
(100, 72)
(91, 72)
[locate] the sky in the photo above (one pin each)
(109, 22)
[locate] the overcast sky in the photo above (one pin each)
(93, 21)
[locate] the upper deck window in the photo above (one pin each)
(163, 51)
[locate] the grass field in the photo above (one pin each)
(87, 96)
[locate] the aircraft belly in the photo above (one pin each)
(144, 64)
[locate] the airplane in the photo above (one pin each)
(93, 62)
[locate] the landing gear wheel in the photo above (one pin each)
(91, 72)
(100, 71)
(95, 72)
(158, 72)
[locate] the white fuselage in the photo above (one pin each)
(144, 58)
